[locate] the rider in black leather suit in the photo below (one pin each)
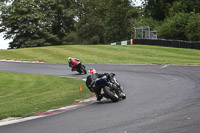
(90, 82)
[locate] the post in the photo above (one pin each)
(131, 41)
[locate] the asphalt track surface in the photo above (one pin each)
(160, 99)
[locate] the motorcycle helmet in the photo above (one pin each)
(91, 71)
(69, 59)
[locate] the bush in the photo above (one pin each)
(192, 31)
(181, 26)
(70, 38)
(174, 27)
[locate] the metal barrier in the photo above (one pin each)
(168, 43)
(127, 42)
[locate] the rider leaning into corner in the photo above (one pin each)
(90, 82)
(73, 62)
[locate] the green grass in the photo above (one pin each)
(27, 94)
(107, 54)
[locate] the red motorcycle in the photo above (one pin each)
(77, 65)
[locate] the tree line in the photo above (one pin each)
(31, 23)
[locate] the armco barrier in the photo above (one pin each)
(127, 42)
(168, 43)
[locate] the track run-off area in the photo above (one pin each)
(160, 99)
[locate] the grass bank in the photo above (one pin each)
(27, 94)
(136, 54)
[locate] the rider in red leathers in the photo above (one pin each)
(73, 63)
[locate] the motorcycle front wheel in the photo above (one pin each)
(111, 95)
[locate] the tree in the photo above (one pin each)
(158, 9)
(90, 18)
(161, 9)
(104, 21)
(117, 20)
(179, 18)
(192, 29)
(186, 6)
(36, 22)
(61, 13)
(56, 22)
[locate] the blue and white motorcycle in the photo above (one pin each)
(111, 87)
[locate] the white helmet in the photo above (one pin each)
(69, 59)
(91, 71)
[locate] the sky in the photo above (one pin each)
(137, 2)
(4, 44)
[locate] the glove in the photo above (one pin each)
(112, 74)
(106, 74)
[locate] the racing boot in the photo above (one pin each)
(99, 97)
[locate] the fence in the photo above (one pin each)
(168, 43)
(128, 42)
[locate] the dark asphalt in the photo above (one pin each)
(160, 99)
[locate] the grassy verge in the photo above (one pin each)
(27, 94)
(136, 54)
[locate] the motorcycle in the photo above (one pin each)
(111, 88)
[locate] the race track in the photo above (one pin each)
(160, 99)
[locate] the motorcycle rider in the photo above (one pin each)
(73, 63)
(90, 82)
